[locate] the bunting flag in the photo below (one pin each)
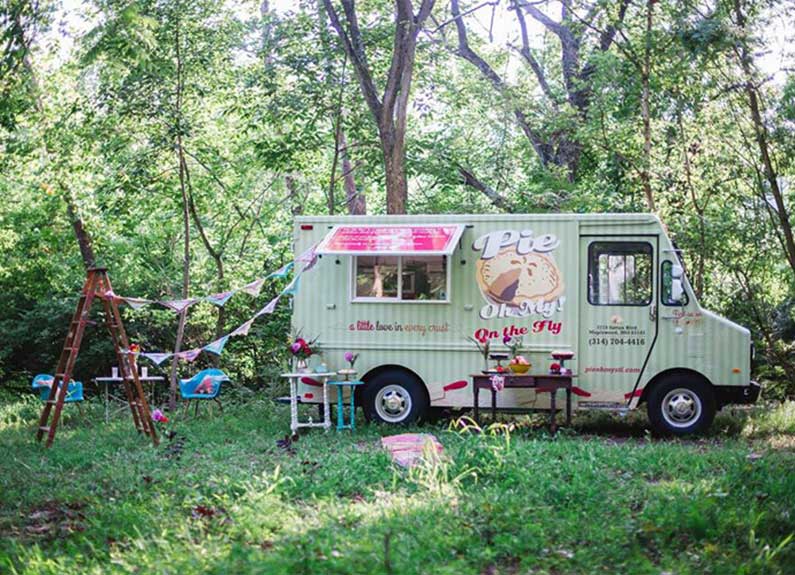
(268, 308)
(292, 287)
(308, 258)
(243, 329)
(217, 346)
(178, 305)
(219, 299)
(109, 295)
(136, 302)
(157, 358)
(282, 272)
(254, 287)
(189, 354)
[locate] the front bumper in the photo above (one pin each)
(737, 394)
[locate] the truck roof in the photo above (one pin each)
(640, 218)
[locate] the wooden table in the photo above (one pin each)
(541, 383)
(294, 379)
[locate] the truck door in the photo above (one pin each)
(618, 307)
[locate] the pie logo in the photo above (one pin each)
(511, 278)
(518, 275)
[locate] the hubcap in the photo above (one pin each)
(681, 407)
(393, 403)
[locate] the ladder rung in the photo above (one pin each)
(44, 428)
(52, 401)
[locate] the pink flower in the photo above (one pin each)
(296, 347)
(159, 417)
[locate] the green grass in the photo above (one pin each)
(603, 498)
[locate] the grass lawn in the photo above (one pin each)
(222, 497)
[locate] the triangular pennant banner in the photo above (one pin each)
(219, 299)
(189, 354)
(157, 358)
(308, 258)
(268, 308)
(178, 305)
(136, 302)
(217, 346)
(282, 272)
(292, 287)
(254, 287)
(243, 329)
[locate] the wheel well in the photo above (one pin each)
(675, 372)
(393, 367)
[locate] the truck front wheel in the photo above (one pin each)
(681, 405)
(394, 396)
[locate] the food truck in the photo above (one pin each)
(411, 294)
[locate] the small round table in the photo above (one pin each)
(346, 374)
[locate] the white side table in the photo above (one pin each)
(294, 378)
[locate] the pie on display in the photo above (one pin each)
(511, 278)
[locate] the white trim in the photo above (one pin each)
(352, 298)
(452, 244)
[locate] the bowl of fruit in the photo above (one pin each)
(519, 365)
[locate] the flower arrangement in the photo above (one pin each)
(351, 358)
(484, 348)
(302, 349)
(554, 368)
(513, 344)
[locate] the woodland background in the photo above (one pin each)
(173, 141)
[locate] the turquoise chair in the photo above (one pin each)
(74, 391)
(187, 388)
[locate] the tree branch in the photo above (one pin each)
(494, 197)
(354, 47)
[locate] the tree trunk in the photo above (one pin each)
(390, 110)
(81, 234)
(645, 112)
(355, 200)
(296, 205)
(761, 137)
(394, 169)
(172, 396)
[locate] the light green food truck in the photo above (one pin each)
(410, 293)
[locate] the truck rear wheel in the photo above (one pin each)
(681, 405)
(394, 396)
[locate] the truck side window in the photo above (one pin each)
(403, 278)
(620, 273)
(377, 276)
(667, 281)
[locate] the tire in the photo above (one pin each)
(394, 396)
(681, 405)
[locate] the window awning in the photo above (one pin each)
(392, 240)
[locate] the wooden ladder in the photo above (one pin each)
(97, 285)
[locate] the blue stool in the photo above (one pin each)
(340, 385)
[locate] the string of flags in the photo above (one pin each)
(307, 260)
(219, 299)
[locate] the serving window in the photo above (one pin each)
(401, 278)
(620, 273)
